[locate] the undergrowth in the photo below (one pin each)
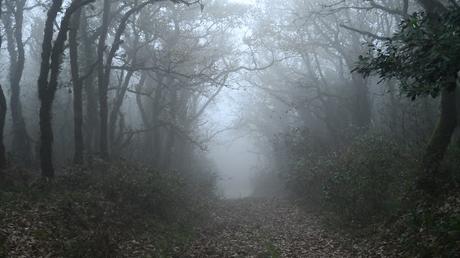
(105, 210)
(368, 190)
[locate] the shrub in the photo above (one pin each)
(366, 180)
(431, 228)
(370, 179)
(307, 166)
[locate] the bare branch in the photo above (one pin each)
(364, 33)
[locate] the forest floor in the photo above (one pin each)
(265, 228)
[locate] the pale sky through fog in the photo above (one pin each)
(244, 1)
(232, 152)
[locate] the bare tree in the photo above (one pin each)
(48, 77)
(21, 146)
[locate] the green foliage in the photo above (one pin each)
(424, 55)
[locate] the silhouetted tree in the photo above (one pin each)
(21, 146)
(48, 77)
(77, 87)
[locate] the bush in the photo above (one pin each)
(431, 228)
(309, 175)
(361, 183)
(308, 165)
(370, 179)
(371, 184)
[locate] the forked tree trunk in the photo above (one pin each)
(118, 102)
(105, 68)
(49, 70)
(46, 99)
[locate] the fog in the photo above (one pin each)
(239, 90)
(229, 128)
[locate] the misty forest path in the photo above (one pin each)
(264, 228)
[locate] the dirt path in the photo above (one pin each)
(263, 228)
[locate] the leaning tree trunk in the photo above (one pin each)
(105, 69)
(121, 93)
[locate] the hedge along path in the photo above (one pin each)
(264, 228)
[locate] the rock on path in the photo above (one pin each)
(263, 228)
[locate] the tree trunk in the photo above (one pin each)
(121, 93)
(447, 122)
(46, 132)
(458, 108)
(156, 137)
(171, 134)
(21, 146)
(91, 118)
(117, 106)
(105, 69)
(361, 103)
(50, 67)
(439, 141)
(77, 88)
(102, 84)
(3, 108)
(46, 138)
(394, 105)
